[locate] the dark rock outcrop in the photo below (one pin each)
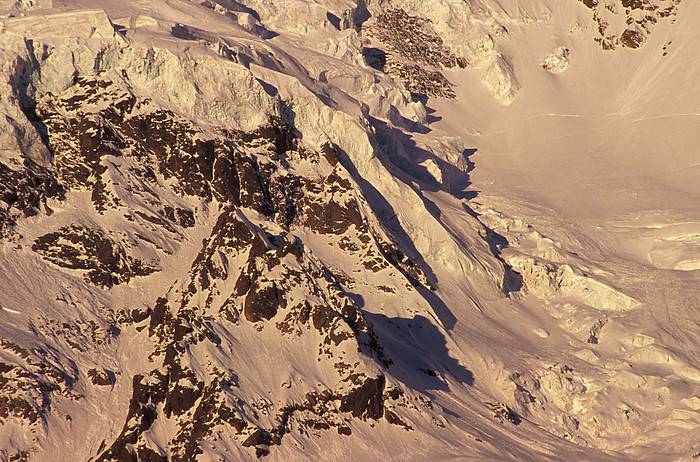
(414, 53)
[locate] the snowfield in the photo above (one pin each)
(349, 230)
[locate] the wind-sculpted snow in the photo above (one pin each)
(235, 230)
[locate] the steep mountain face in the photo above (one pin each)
(234, 230)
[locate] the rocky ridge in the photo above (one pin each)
(151, 174)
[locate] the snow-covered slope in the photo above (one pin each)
(348, 229)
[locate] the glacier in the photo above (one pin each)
(347, 229)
